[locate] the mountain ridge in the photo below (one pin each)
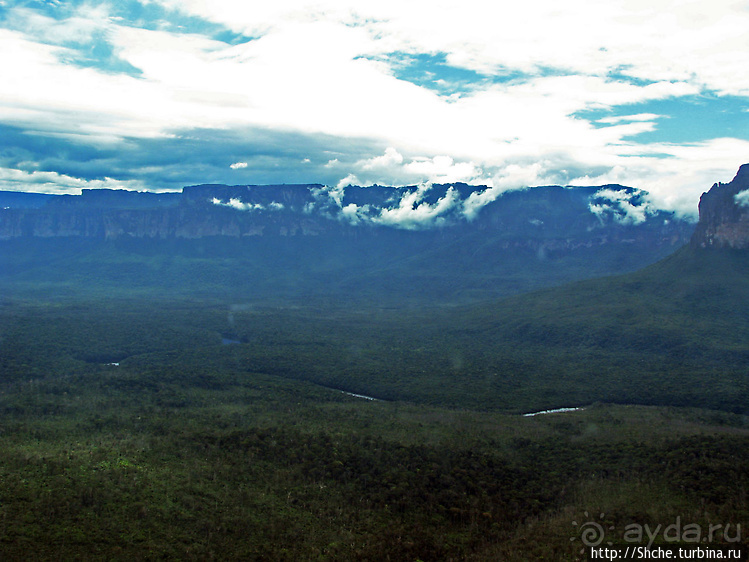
(249, 210)
(434, 243)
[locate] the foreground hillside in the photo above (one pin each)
(162, 458)
(137, 429)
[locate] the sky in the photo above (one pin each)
(158, 94)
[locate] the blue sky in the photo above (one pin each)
(158, 94)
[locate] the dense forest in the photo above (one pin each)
(136, 427)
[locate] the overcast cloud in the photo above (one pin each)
(160, 94)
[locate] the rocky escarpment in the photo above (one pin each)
(542, 219)
(196, 212)
(450, 242)
(724, 214)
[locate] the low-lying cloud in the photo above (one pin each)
(239, 205)
(426, 205)
(623, 206)
(413, 213)
(742, 198)
(407, 208)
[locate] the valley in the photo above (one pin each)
(197, 400)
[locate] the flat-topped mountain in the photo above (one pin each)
(552, 216)
(428, 242)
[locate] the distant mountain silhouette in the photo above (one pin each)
(425, 243)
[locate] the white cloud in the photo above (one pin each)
(337, 193)
(12, 179)
(478, 200)
(443, 169)
(73, 29)
(516, 176)
(238, 165)
(355, 214)
(676, 175)
(413, 214)
(742, 198)
(240, 205)
(406, 209)
(297, 75)
(323, 68)
(620, 206)
(394, 169)
(391, 158)
(665, 40)
(237, 204)
(628, 118)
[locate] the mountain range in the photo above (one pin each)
(407, 313)
(445, 242)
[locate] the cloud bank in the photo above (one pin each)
(159, 94)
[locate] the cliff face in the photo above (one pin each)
(426, 243)
(197, 212)
(724, 214)
(549, 217)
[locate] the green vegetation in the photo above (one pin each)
(120, 463)
(369, 267)
(129, 431)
